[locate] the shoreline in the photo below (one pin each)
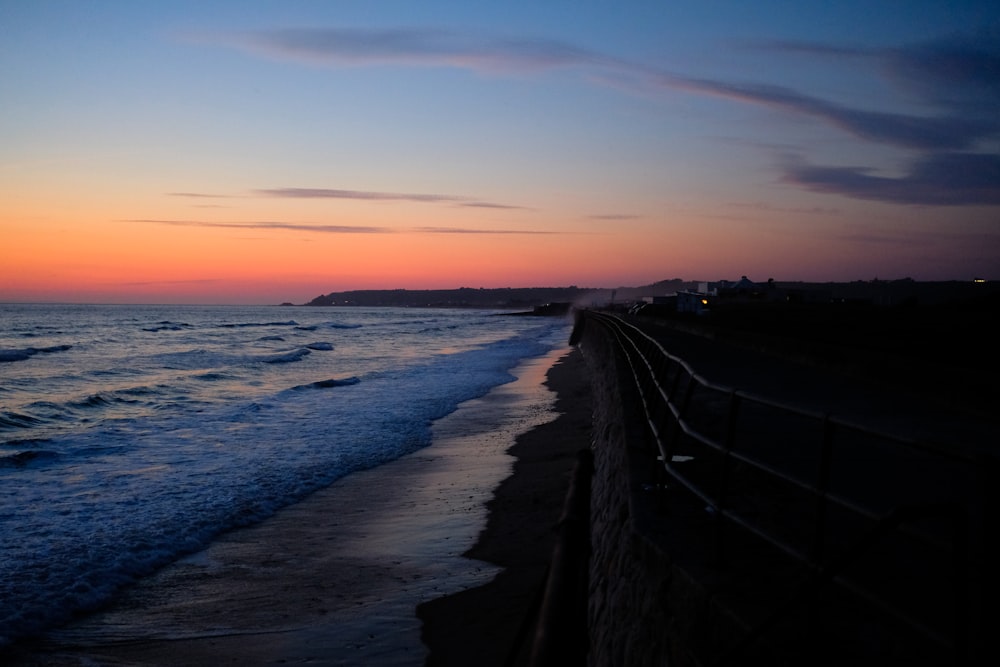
(336, 578)
(493, 624)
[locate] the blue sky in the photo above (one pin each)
(627, 142)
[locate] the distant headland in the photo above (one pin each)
(877, 292)
(511, 298)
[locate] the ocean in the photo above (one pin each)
(132, 435)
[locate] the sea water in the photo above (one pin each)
(131, 435)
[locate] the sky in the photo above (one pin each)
(267, 152)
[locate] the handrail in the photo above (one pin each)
(667, 422)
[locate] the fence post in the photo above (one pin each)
(822, 488)
(723, 491)
(984, 643)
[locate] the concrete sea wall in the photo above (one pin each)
(635, 592)
(653, 584)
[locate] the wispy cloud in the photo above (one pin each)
(800, 47)
(927, 239)
(614, 216)
(957, 162)
(959, 76)
(288, 226)
(941, 179)
(907, 131)
(325, 193)
(765, 207)
(468, 230)
(330, 229)
(364, 195)
(954, 82)
(486, 204)
(930, 65)
(876, 238)
(193, 281)
(959, 72)
(424, 47)
(199, 195)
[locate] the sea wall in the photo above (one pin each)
(644, 607)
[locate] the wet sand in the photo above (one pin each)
(494, 624)
(336, 578)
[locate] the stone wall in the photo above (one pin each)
(644, 609)
(625, 616)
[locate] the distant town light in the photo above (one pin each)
(978, 280)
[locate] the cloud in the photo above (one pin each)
(958, 76)
(362, 195)
(960, 73)
(198, 195)
(329, 229)
(799, 47)
(290, 226)
(940, 71)
(486, 204)
(955, 83)
(874, 238)
(614, 216)
(425, 47)
(323, 193)
(940, 179)
(765, 207)
(907, 131)
(192, 281)
(933, 67)
(465, 230)
(201, 195)
(928, 239)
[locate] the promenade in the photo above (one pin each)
(748, 598)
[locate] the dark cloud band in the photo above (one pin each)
(947, 179)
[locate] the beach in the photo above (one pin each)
(336, 578)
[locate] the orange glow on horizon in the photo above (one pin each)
(184, 253)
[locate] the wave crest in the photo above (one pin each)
(328, 384)
(28, 352)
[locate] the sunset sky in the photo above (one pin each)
(260, 152)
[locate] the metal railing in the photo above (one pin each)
(886, 519)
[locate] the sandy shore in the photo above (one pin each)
(336, 578)
(492, 624)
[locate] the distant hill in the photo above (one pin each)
(463, 297)
(877, 292)
(512, 298)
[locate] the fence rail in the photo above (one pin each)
(893, 522)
